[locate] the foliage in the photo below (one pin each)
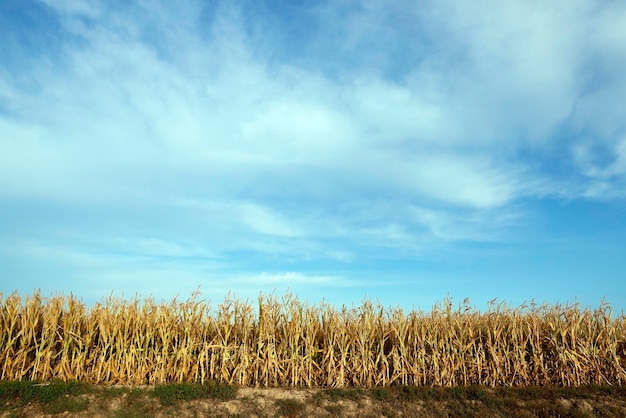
(47, 392)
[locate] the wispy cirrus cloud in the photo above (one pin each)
(386, 130)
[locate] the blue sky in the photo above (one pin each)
(400, 151)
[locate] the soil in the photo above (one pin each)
(328, 403)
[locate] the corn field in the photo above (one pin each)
(285, 342)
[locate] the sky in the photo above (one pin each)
(396, 151)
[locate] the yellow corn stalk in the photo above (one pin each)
(285, 342)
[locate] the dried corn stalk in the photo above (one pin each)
(282, 341)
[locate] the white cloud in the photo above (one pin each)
(265, 221)
(150, 113)
(462, 181)
(602, 165)
(292, 279)
(61, 253)
(156, 247)
(469, 225)
(391, 112)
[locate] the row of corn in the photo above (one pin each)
(284, 342)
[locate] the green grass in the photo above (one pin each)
(335, 394)
(57, 397)
(66, 404)
(381, 394)
(169, 394)
(44, 393)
